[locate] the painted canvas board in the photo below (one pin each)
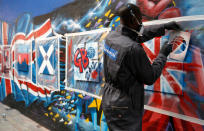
(22, 64)
(180, 41)
(47, 62)
(84, 61)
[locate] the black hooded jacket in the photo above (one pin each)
(127, 68)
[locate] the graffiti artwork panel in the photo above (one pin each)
(22, 62)
(84, 60)
(47, 62)
(183, 75)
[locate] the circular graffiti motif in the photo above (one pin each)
(90, 52)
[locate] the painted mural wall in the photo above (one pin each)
(44, 59)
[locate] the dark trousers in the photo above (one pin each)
(119, 113)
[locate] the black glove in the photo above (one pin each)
(166, 49)
(172, 26)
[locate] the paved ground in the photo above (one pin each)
(13, 120)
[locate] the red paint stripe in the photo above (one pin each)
(159, 121)
(147, 115)
(187, 98)
(172, 82)
(32, 87)
(191, 67)
(33, 56)
(163, 122)
(187, 109)
(156, 121)
(69, 54)
(5, 33)
(149, 52)
(157, 41)
(183, 66)
(199, 74)
(8, 87)
(21, 37)
(43, 29)
(173, 65)
(20, 82)
(192, 86)
(178, 124)
(157, 99)
(41, 90)
(30, 36)
(18, 37)
(157, 85)
(47, 91)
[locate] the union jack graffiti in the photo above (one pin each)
(172, 77)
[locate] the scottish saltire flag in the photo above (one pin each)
(47, 62)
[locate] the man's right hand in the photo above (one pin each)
(166, 49)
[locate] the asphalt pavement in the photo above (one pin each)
(13, 120)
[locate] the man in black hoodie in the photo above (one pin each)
(127, 68)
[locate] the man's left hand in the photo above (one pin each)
(172, 26)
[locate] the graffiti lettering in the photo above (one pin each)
(80, 59)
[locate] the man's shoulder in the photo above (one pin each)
(117, 38)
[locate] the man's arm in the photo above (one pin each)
(151, 32)
(156, 31)
(142, 69)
